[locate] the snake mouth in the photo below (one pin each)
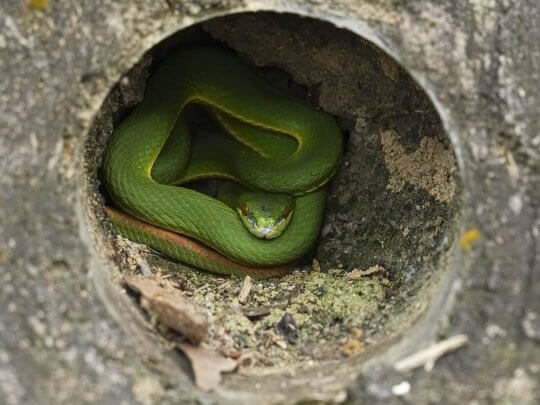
(265, 227)
(266, 232)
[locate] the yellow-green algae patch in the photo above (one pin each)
(327, 308)
(323, 299)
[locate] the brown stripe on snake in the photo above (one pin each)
(192, 244)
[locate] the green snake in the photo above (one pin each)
(278, 144)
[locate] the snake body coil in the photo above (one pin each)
(238, 98)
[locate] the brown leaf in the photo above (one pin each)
(170, 306)
(352, 347)
(207, 365)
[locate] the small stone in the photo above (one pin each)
(194, 9)
(493, 331)
(170, 307)
(531, 325)
(403, 388)
(37, 326)
(287, 328)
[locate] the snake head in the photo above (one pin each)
(264, 219)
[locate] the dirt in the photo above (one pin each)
(429, 168)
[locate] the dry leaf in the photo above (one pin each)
(352, 347)
(170, 306)
(287, 328)
(207, 365)
(256, 312)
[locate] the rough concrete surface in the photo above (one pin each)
(69, 334)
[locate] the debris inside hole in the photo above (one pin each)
(303, 316)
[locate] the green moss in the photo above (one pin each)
(326, 306)
(327, 301)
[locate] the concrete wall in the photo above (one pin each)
(67, 332)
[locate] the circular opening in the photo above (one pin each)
(391, 218)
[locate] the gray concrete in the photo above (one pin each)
(68, 334)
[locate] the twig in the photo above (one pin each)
(431, 354)
(356, 274)
(246, 289)
(170, 306)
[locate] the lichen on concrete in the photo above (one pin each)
(70, 334)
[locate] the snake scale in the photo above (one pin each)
(151, 154)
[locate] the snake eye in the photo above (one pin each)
(244, 209)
